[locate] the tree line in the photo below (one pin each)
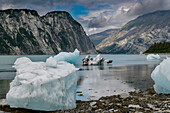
(162, 47)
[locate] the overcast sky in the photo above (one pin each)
(94, 15)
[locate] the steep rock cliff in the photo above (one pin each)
(24, 31)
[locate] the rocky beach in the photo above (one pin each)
(138, 101)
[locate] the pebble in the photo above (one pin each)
(124, 95)
(134, 106)
(150, 105)
(92, 104)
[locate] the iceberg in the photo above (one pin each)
(98, 60)
(68, 56)
(44, 86)
(93, 61)
(161, 77)
(153, 57)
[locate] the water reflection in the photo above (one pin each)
(4, 88)
(95, 81)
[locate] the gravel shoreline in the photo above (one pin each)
(137, 101)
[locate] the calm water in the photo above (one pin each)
(126, 73)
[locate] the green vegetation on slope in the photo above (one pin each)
(163, 47)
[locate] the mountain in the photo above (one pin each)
(139, 34)
(24, 31)
(99, 37)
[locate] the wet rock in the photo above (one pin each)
(80, 94)
(134, 106)
(124, 95)
(78, 91)
(130, 82)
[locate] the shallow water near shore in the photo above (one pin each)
(126, 73)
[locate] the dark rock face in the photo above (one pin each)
(23, 31)
(139, 34)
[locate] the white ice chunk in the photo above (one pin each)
(98, 60)
(51, 62)
(46, 86)
(68, 56)
(153, 57)
(161, 77)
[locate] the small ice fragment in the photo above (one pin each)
(153, 57)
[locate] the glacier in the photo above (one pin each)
(161, 77)
(44, 86)
(70, 57)
(153, 57)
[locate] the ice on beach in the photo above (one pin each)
(68, 56)
(153, 57)
(161, 77)
(46, 86)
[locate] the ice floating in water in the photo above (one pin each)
(46, 86)
(161, 77)
(98, 60)
(153, 57)
(68, 57)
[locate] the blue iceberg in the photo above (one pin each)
(45, 86)
(68, 56)
(161, 77)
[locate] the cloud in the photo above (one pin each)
(96, 3)
(42, 6)
(100, 21)
(146, 6)
(7, 6)
(115, 16)
(101, 14)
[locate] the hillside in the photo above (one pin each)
(99, 37)
(139, 34)
(24, 31)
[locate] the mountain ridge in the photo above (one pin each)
(24, 31)
(139, 34)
